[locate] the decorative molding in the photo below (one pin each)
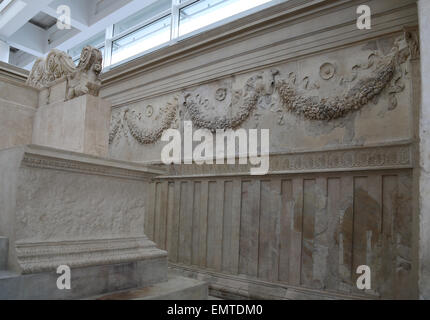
(13, 74)
(59, 66)
(87, 165)
(36, 257)
(351, 159)
(228, 286)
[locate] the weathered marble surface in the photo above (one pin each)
(175, 288)
(59, 67)
(18, 105)
(358, 95)
(70, 208)
(424, 135)
(341, 190)
(308, 230)
(4, 247)
(80, 124)
(86, 282)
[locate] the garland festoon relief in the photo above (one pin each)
(225, 108)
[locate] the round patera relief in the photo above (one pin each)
(149, 111)
(221, 94)
(327, 71)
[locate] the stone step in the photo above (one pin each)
(4, 251)
(176, 288)
(7, 275)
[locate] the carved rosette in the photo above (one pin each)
(228, 109)
(385, 75)
(314, 108)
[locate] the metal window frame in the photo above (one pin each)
(176, 9)
(174, 12)
(110, 37)
(4, 4)
(143, 24)
(229, 19)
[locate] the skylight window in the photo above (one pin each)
(164, 22)
(205, 12)
(147, 37)
(98, 41)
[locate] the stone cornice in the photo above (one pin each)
(241, 287)
(383, 157)
(13, 74)
(49, 158)
(47, 256)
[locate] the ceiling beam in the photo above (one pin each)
(88, 18)
(31, 39)
(79, 12)
(104, 18)
(27, 10)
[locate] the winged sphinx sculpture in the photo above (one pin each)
(58, 66)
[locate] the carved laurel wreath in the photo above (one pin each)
(386, 74)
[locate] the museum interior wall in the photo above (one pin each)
(341, 105)
(62, 201)
(18, 107)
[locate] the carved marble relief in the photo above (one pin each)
(209, 114)
(385, 74)
(83, 79)
(143, 126)
(226, 105)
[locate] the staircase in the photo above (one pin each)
(176, 288)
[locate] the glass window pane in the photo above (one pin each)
(141, 16)
(95, 41)
(206, 12)
(102, 50)
(145, 38)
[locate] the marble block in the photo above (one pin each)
(4, 245)
(66, 208)
(80, 124)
